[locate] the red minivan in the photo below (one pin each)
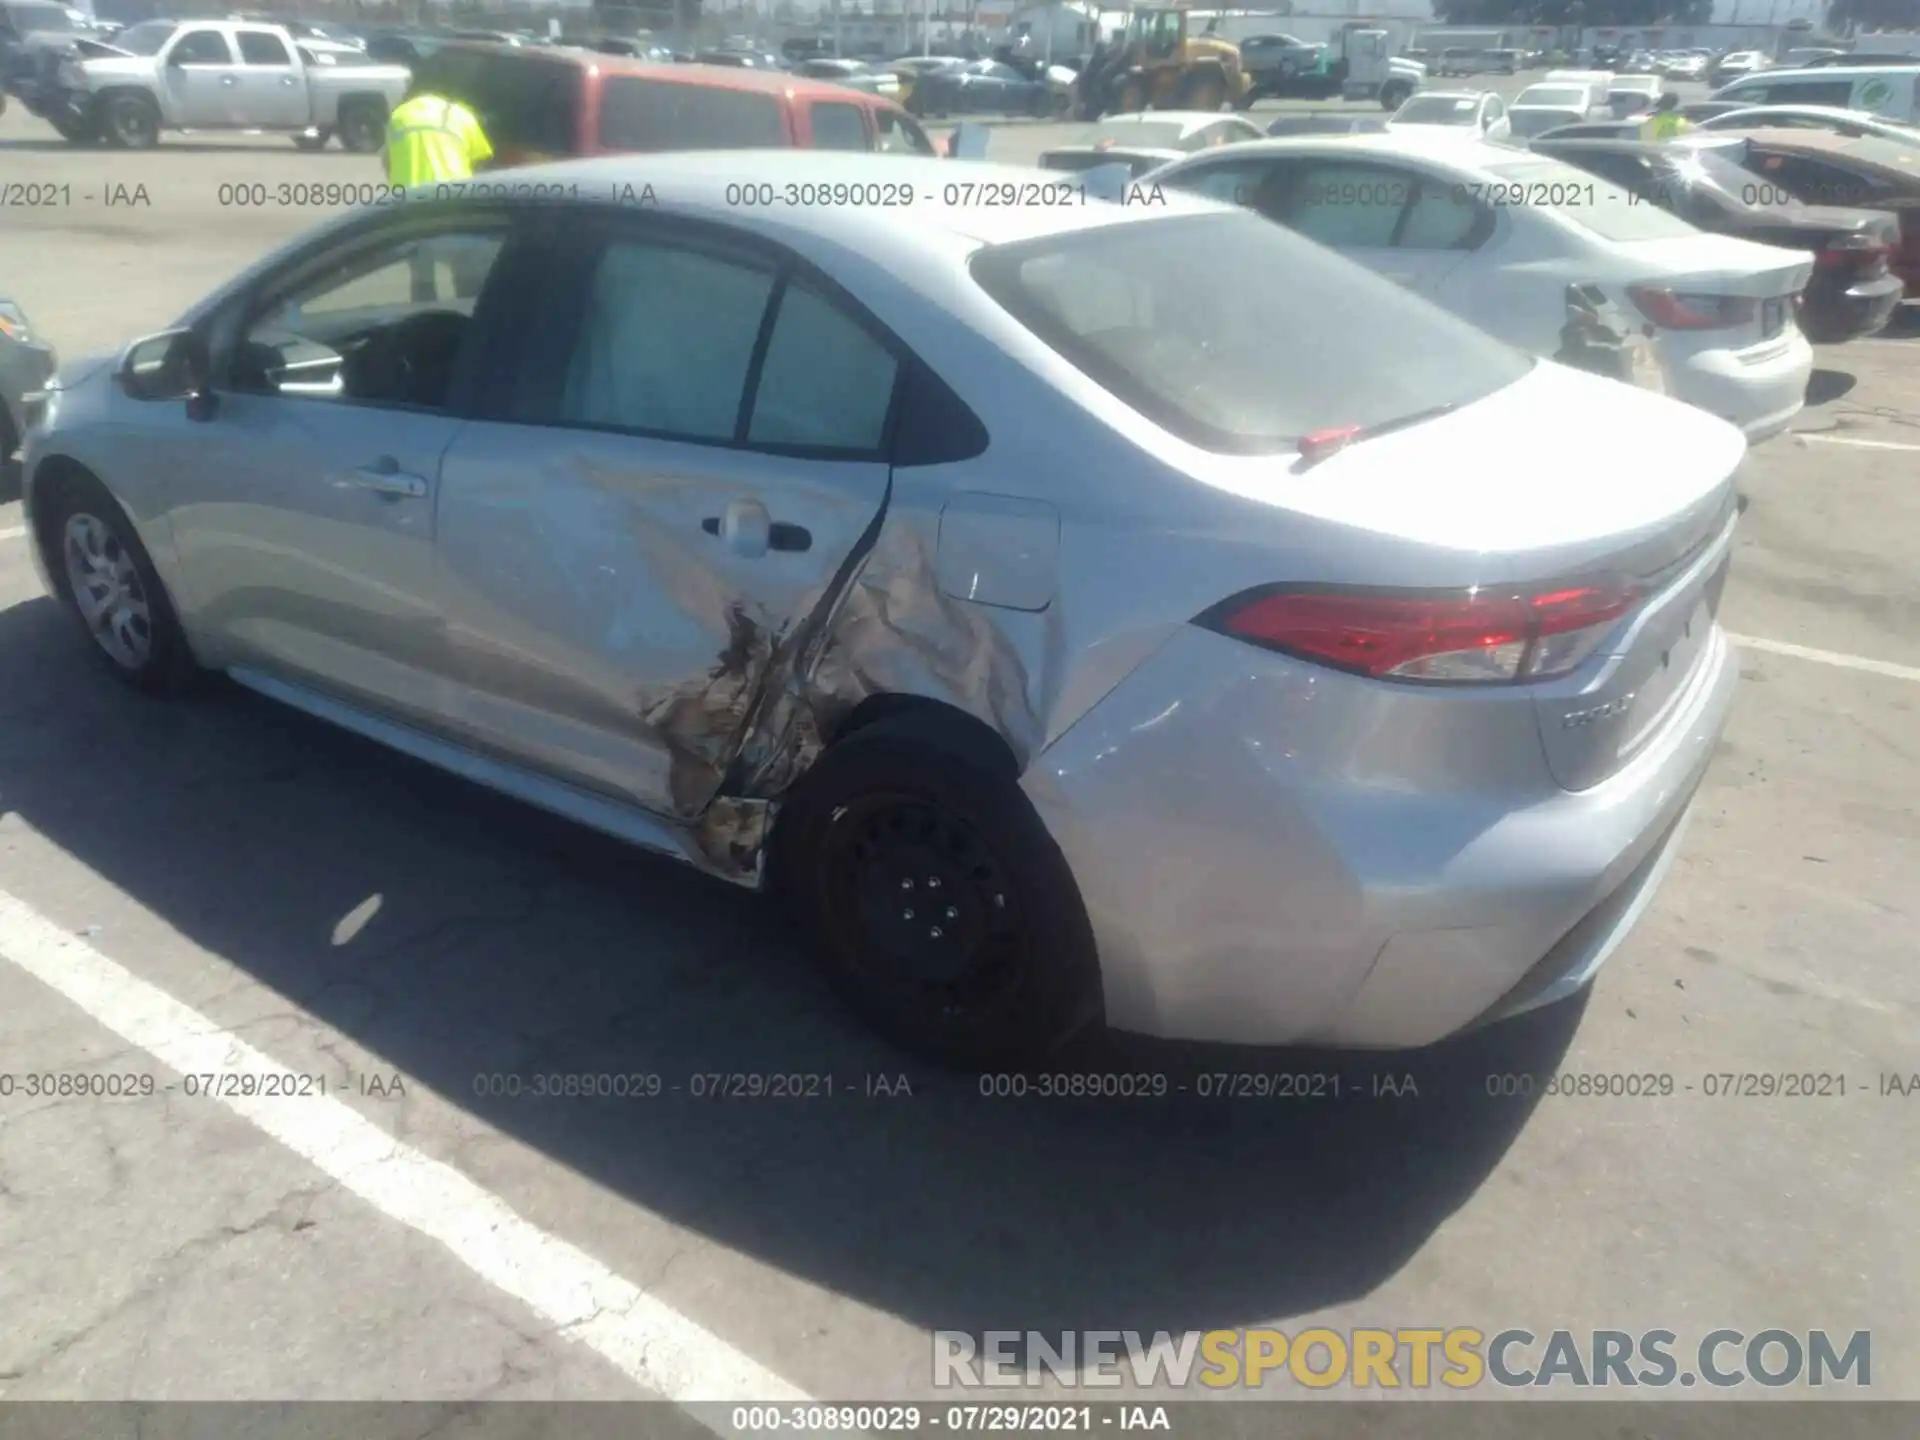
(546, 103)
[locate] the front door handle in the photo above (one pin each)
(397, 483)
(748, 530)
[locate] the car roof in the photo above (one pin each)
(714, 77)
(974, 200)
(1440, 144)
(1830, 73)
(1449, 95)
(1873, 149)
(1185, 119)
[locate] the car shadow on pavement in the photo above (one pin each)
(506, 942)
(1826, 386)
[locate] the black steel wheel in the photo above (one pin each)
(938, 904)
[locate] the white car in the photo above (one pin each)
(1145, 140)
(1540, 108)
(1852, 123)
(1462, 112)
(1498, 238)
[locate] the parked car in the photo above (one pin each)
(1277, 56)
(1466, 112)
(1000, 545)
(1888, 91)
(164, 75)
(1544, 107)
(855, 75)
(1851, 123)
(1826, 169)
(1852, 291)
(1498, 237)
(1327, 124)
(550, 103)
(984, 87)
(33, 36)
(27, 360)
(1630, 95)
(1148, 139)
(1736, 64)
(1849, 57)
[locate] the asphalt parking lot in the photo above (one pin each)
(178, 880)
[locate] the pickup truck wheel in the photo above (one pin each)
(132, 122)
(1394, 95)
(315, 141)
(363, 127)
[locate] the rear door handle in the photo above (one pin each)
(398, 483)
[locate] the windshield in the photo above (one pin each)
(145, 38)
(1569, 97)
(1438, 110)
(1144, 135)
(1138, 308)
(1596, 204)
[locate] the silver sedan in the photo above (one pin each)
(1062, 633)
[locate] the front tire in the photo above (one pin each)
(106, 579)
(132, 122)
(76, 132)
(938, 905)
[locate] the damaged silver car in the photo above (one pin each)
(983, 577)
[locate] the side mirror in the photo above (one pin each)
(173, 365)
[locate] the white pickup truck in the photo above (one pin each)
(217, 75)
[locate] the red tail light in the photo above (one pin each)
(1456, 636)
(1853, 252)
(1671, 310)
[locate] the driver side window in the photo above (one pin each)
(381, 327)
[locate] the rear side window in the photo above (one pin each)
(837, 126)
(525, 103)
(201, 47)
(637, 114)
(259, 48)
(1138, 308)
(826, 382)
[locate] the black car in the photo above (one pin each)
(982, 87)
(1852, 293)
(20, 20)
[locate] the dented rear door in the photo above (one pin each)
(687, 466)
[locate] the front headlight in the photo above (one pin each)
(13, 323)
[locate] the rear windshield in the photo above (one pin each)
(637, 114)
(526, 103)
(1140, 309)
(1593, 202)
(1439, 110)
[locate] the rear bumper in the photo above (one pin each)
(1275, 853)
(1761, 395)
(1854, 310)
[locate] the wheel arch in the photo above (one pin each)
(942, 723)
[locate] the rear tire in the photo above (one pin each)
(106, 579)
(1205, 93)
(1132, 98)
(363, 127)
(938, 906)
(1393, 96)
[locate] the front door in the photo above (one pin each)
(700, 449)
(305, 526)
(202, 76)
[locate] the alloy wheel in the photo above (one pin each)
(107, 591)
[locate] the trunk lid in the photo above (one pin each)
(1720, 265)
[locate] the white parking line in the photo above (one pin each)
(1819, 657)
(654, 1344)
(13, 532)
(1804, 435)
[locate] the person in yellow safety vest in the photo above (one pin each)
(431, 137)
(1666, 120)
